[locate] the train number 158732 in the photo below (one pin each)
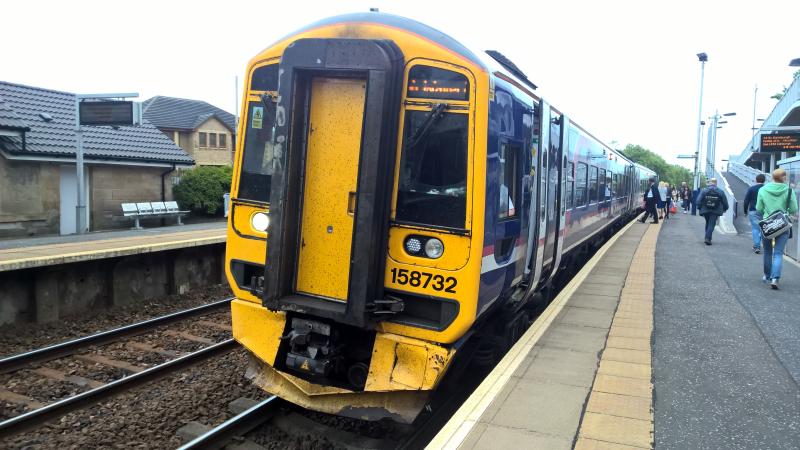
(424, 279)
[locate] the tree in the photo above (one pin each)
(201, 188)
(779, 95)
(674, 174)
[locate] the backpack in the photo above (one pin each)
(712, 199)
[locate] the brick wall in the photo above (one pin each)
(217, 156)
(113, 185)
(29, 198)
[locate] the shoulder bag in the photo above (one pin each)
(778, 222)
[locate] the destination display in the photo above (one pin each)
(106, 113)
(432, 82)
(780, 142)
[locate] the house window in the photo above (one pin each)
(223, 141)
(203, 140)
(213, 139)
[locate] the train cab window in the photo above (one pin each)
(592, 184)
(509, 162)
(570, 187)
(432, 188)
(256, 176)
(580, 185)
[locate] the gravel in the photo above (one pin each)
(16, 338)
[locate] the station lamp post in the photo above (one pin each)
(711, 149)
(703, 58)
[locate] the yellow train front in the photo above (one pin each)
(361, 179)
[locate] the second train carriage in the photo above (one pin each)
(391, 188)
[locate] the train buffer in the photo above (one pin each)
(659, 341)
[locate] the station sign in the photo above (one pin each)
(119, 113)
(780, 142)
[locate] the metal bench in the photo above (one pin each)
(151, 210)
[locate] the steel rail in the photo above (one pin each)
(40, 416)
(238, 425)
(20, 360)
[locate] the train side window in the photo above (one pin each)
(570, 187)
(615, 185)
(432, 188)
(580, 185)
(256, 176)
(509, 189)
(608, 191)
(601, 190)
(592, 184)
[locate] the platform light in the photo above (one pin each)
(260, 221)
(434, 248)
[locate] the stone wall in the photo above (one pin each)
(45, 294)
(217, 156)
(113, 185)
(29, 198)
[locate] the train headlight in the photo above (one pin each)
(434, 248)
(413, 246)
(260, 221)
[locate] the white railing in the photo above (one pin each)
(746, 173)
(726, 220)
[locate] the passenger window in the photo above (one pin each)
(608, 191)
(432, 188)
(601, 191)
(580, 185)
(592, 184)
(570, 184)
(508, 180)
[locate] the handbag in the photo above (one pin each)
(674, 209)
(776, 223)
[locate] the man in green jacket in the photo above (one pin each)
(775, 196)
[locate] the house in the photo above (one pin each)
(204, 131)
(38, 181)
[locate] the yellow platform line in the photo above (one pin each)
(619, 413)
(463, 421)
(47, 260)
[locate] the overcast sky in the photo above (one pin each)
(625, 70)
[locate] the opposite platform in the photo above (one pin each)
(18, 254)
(553, 390)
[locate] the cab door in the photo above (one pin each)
(329, 189)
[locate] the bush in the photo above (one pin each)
(201, 188)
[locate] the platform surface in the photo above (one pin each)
(44, 251)
(717, 367)
(726, 355)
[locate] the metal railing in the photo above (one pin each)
(787, 102)
(726, 220)
(746, 173)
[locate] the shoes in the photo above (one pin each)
(640, 221)
(756, 250)
(655, 222)
(707, 241)
(764, 279)
(774, 284)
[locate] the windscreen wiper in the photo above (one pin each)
(433, 116)
(266, 99)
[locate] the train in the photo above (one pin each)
(393, 189)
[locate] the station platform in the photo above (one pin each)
(659, 341)
(26, 253)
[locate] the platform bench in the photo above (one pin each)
(151, 210)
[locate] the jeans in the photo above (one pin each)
(754, 217)
(711, 222)
(685, 204)
(773, 255)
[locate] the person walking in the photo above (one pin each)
(775, 196)
(749, 208)
(686, 197)
(712, 203)
(651, 199)
(668, 198)
(662, 201)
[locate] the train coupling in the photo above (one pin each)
(310, 347)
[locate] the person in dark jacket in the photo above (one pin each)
(749, 208)
(685, 195)
(651, 199)
(712, 203)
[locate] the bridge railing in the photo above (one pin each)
(787, 102)
(726, 220)
(746, 173)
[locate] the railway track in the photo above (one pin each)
(134, 375)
